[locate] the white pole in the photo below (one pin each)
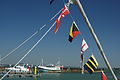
(77, 2)
(83, 65)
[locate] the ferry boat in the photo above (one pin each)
(50, 67)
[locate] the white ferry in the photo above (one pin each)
(50, 67)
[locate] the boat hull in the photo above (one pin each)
(49, 69)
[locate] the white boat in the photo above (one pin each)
(19, 69)
(50, 67)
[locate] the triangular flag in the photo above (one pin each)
(65, 12)
(84, 46)
(103, 76)
(74, 31)
(91, 65)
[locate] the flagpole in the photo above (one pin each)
(77, 2)
(83, 65)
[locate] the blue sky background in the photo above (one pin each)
(19, 19)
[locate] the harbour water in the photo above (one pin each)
(63, 76)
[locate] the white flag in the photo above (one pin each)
(84, 46)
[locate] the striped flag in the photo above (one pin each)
(103, 76)
(65, 12)
(84, 46)
(74, 31)
(91, 65)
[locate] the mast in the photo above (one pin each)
(77, 2)
(82, 65)
(42, 63)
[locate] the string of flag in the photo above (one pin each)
(92, 63)
(74, 31)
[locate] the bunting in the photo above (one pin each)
(91, 65)
(74, 31)
(65, 12)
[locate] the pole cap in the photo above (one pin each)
(74, 2)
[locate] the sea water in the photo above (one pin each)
(64, 76)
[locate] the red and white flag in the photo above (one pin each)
(65, 12)
(103, 76)
(84, 46)
(83, 49)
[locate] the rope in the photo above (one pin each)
(29, 50)
(29, 37)
(19, 46)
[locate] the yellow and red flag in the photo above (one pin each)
(74, 31)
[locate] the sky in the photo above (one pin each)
(19, 19)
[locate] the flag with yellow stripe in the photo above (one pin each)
(91, 64)
(74, 31)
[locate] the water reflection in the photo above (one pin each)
(37, 77)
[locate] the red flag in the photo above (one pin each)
(103, 76)
(65, 12)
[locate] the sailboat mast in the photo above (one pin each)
(77, 2)
(42, 63)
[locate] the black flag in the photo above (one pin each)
(51, 1)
